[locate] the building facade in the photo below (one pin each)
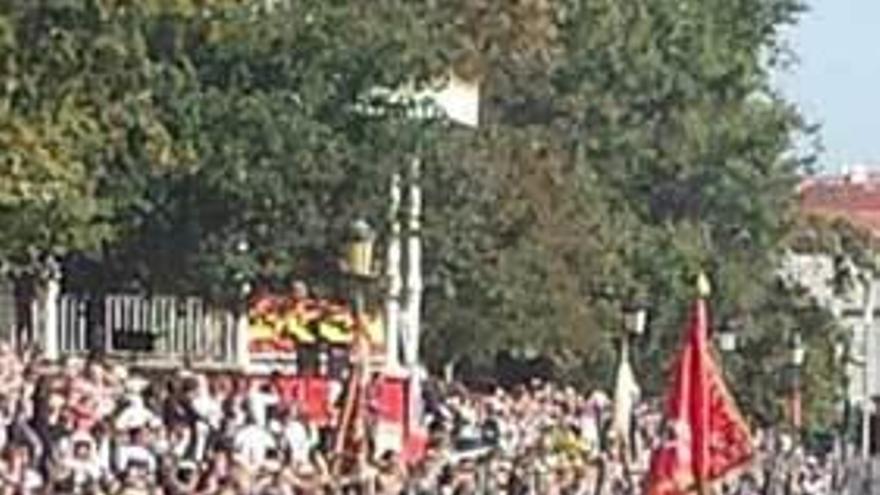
(855, 198)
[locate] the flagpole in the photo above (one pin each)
(704, 289)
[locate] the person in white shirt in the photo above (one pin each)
(252, 442)
(209, 411)
(297, 436)
(135, 414)
(136, 451)
(259, 399)
(81, 459)
(205, 404)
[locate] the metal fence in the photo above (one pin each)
(160, 328)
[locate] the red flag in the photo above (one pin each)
(704, 436)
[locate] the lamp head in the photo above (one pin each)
(704, 288)
(798, 352)
(635, 318)
(359, 251)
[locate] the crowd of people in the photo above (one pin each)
(90, 428)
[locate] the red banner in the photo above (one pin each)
(704, 437)
(389, 399)
(315, 397)
(310, 394)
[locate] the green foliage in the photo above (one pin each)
(237, 124)
(632, 145)
(76, 111)
(625, 146)
(761, 370)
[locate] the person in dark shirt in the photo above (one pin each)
(491, 432)
(47, 422)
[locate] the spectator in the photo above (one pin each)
(253, 443)
(90, 430)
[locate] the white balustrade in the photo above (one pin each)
(151, 328)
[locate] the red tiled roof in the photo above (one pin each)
(844, 197)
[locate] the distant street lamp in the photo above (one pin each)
(359, 262)
(358, 265)
(843, 360)
(635, 318)
(359, 249)
(727, 336)
(798, 352)
(796, 362)
(727, 341)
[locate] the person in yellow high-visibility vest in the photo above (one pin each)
(336, 325)
(298, 314)
(263, 322)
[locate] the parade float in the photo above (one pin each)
(327, 352)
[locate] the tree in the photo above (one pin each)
(276, 155)
(625, 147)
(75, 108)
(634, 145)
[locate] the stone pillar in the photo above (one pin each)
(413, 308)
(49, 308)
(395, 283)
(242, 327)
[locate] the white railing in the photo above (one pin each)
(73, 325)
(161, 328)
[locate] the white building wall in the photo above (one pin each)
(815, 272)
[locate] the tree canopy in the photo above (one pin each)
(624, 146)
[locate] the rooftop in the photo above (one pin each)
(854, 196)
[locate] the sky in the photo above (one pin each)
(837, 79)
